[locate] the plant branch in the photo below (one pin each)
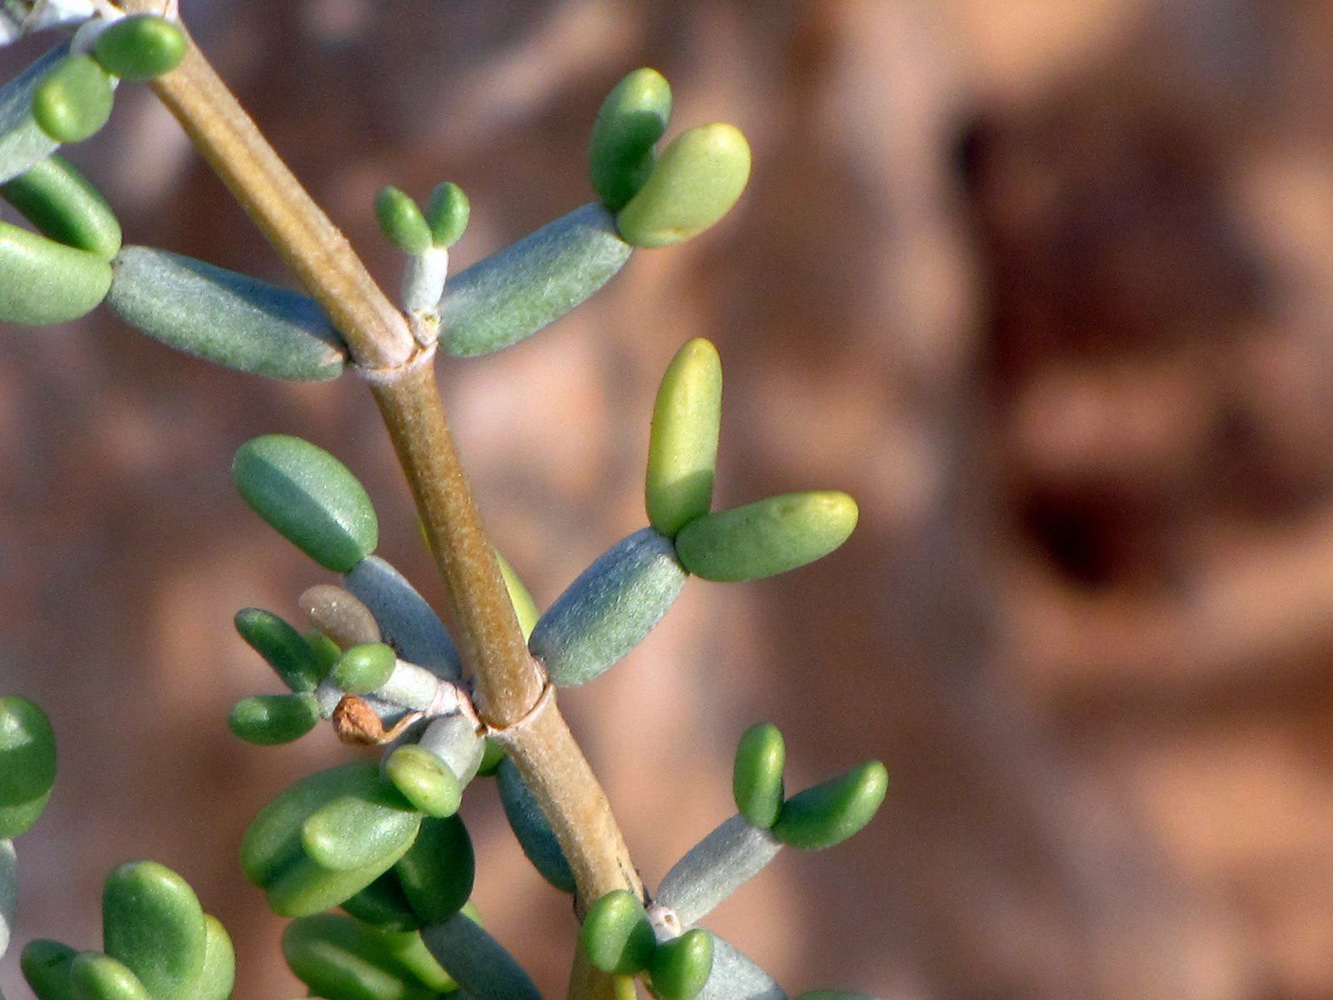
(514, 699)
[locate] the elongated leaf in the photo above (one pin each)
(609, 609)
(531, 828)
(629, 123)
(282, 647)
(408, 623)
(225, 317)
(339, 957)
(482, 966)
(680, 967)
(716, 867)
(756, 780)
(736, 977)
(829, 813)
(94, 976)
(44, 282)
(512, 294)
(46, 967)
(359, 828)
(65, 206)
(218, 977)
(455, 743)
(23, 144)
(152, 922)
(682, 448)
(438, 871)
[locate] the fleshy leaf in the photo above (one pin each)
(829, 813)
(152, 922)
(65, 207)
(224, 317)
(23, 144)
(716, 867)
(515, 292)
(482, 966)
(682, 447)
(767, 537)
(338, 957)
(757, 776)
(44, 282)
(447, 214)
(609, 609)
(27, 764)
(736, 977)
(140, 47)
(408, 623)
(282, 647)
(46, 966)
(363, 668)
(438, 871)
(680, 967)
(74, 99)
(629, 123)
(274, 719)
(401, 221)
(424, 781)
(617, 935)
(358, 829)
(309, 497)
(698, 177)
(94, 976)
(532, 829)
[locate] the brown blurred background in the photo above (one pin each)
(1046, 284)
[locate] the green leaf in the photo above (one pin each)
(73, 101)
(609, 609)
(23, 144)
(218, 978)
(424, 781)
(46, 966)
(716, 867)
(359, 828)
(438, 871)
(407, 621)
(756, 779)
(698, 177)
(829, 813)
(617, 935)
(512, 294)
(44, 282)
(383, 904)
(272, 843)
(680, 967)
(140, 47)
(401, 221)
(453, 740)
(94, 976)
(27, 754)
(14, 820)
(447, 214)
(682, 447)
(224, 317)
(532, 829)
(767, 537)
(152, 922)
(492, 758)
(65, 206)
(525, 608)
(282, 647)
(629, 123)
(309, 497)
(338, 957)
(274, 719)
(483, 967)
(363, 668)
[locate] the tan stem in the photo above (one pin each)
(514, 701)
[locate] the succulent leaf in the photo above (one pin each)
(228, 318)
(716, 867)
(407, 622)
(736, 977)
(73, 100)
(401, 221)
(629, 123)
(46, 965)
(609, 609)
(218, 977)
(829, 813)
(65, 207)
(358, 829)
(757, 776)
(337, 956)
(438, 871)
(44, 282)
(512, 294)
(767, 537)
(363, 668)
(697, 179)
(680, 967)
(153, 923)
(424, 781)
(309, 497)
(532, 829)
(617, 935)
(384, 905)
(282, 647)
(27, 764)
(682, 447)
(94, 976)
(482, 966)
(274, 719)
(447, 214)
(23, 144)
(140, 47)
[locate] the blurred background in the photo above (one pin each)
(1048, 286)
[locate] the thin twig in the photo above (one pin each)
(514, 700)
